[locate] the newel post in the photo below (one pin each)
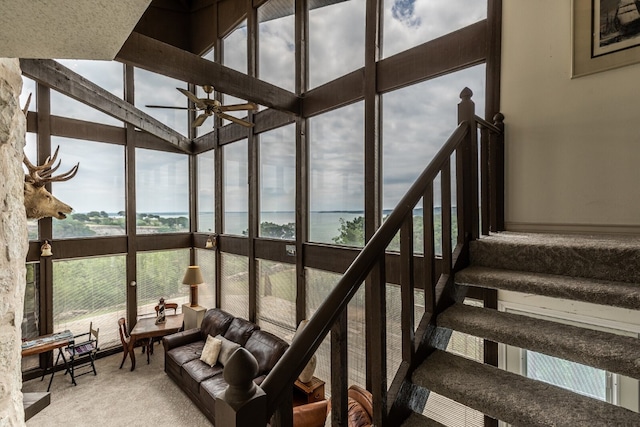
(243, 403)
(467, 172)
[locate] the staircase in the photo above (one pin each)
(596, 270)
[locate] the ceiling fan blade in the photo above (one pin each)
(173, 108)
(239, 107)
(235, 120)
(197, 101)
(199, 120)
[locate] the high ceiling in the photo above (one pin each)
(79, 29)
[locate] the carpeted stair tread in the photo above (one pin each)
(603, 292)
(513, 398)
(614, 353)
(419, 420)
(598, 257)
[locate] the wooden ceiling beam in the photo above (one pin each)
(58, 77)
(153, 55)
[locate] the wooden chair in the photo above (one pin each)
(167, 306)
(82, 353)
(124, 339)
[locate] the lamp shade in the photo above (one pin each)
(193, 277)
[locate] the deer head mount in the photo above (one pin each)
(38, 202)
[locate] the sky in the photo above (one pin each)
(415, 120)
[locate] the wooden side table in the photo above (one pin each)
(304, 393)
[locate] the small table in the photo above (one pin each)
(147, 328)
(48, 343)
(310, 392)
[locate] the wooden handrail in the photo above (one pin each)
(278, 382)
(483, 123)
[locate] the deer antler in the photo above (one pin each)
(40, 175)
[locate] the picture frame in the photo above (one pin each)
(606, 35)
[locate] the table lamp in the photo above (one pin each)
(193, 277)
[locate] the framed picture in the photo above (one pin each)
(606, 35)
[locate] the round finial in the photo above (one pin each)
(498, 118)
(239, 372)
(466, 94)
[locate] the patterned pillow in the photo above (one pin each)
(211, 351)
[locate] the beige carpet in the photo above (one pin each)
(115, 396)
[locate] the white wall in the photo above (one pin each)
(572, 145)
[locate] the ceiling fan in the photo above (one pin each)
(210, 106)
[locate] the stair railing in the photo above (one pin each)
(275, 391)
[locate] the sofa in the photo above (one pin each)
(202, 382)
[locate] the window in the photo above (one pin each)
(156, 89)
(277, 43)
(278, 183)
(96, 193)
(80, 296)
(206, 259)
(162, 192)
(336, 40)
(206, 191)
(411, 23)
(160, 275)
(587, 380)
(413, 136)
(336, 167)
(235, 57)
(277, 298)
(235, 285)
(236, 188)
(31, 151)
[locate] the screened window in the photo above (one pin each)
(206, 259)
(336, 40)
(160, 275)
(162, 192)
(156, 89)
(277, 298)
(277, 183)
(31, 314)
(28, 88)
(236, 190)
(80, 296)
(235, 284)
(206, 191)
(336, 164)
(96, 193)
(411, 23)
(277, 43)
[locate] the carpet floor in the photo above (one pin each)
(146, 396)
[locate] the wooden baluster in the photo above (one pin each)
(407, 287)
(445, 212)
(485, 196)
(429, 249)
(339, 372)
(496, 161)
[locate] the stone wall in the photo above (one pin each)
(13, 242)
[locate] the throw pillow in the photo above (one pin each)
(211, 351)
(227, 349)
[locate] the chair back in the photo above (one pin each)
(124, 332)
(93, 336)
(168, 306)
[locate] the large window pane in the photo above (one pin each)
(106, 74)
(156, 89)
(160, 275)
(82, 296)
(235, 56)
(31, 314)
(412, 136)
(410, 23)
(277, 183)
(277, 43)
(206, 191)
(336, 40)
(96, 193)
(236, 191)
(28, 88)
(336, 163)
(162, 192)
(235, 285)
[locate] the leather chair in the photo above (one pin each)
(359, 407)
(311, 414)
